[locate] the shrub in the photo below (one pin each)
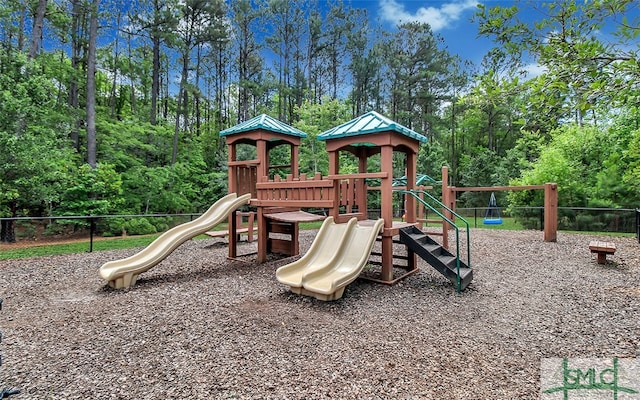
(161, 223)
(139, 226)
(112, 226)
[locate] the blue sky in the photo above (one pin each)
(450, 19)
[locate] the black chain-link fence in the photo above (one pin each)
(88, 227)
(580, 219)
(569, 219)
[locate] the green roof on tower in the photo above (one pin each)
(371, 122)
(266, 123)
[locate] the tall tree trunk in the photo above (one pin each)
(155, 79)
(176, 131)
(180, 106)
(36, 33)
(76, 49)
(454, 161)
(114, 71)
(21, 30)
(91, 85)
(132, 86)
(197, 94)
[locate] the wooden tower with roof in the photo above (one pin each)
(365, 136)
(265, 133)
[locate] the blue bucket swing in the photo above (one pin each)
(492, 216)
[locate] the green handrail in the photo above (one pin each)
(450, 222)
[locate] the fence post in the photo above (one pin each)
(542, 219)
(92, 231)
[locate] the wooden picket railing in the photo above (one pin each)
(304, 192)
(333, 191)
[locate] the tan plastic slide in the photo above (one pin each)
(123, 273)
(320, 254)
(335, 259)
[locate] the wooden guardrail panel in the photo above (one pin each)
(302, 191)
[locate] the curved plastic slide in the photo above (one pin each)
(328, 283)
(325, 278)
(123, 273)
(320, 254)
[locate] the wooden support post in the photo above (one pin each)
(386, 205)
(262, 236)
(233, 237)
(334, 163)
(361, 188)
(412, 260)
(410, 201)
(386, 273)
(263, 156)
(295, 161)
(334, 167)
(335, 208)
(232, 170)
(550, 212)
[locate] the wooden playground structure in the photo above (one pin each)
(279, 201)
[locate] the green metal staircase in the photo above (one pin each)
(448, 264)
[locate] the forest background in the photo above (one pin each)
(113, 107)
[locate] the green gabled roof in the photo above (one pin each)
(371, 122)
(265, 122)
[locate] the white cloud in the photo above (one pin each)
(533, 70)
(439, 18)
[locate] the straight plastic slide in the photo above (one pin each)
(335, 259)
(124, 273)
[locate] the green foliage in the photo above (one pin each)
(92, 191)
(316, 118)
(478, 170)
(632, 157)
(132, 143)
(585, 70)
(583, 161)
(36, 159)
(431, 159)
(160, 224)
(139, 226)
(112, 226)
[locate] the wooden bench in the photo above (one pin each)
(602, 249)
(242, 227)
